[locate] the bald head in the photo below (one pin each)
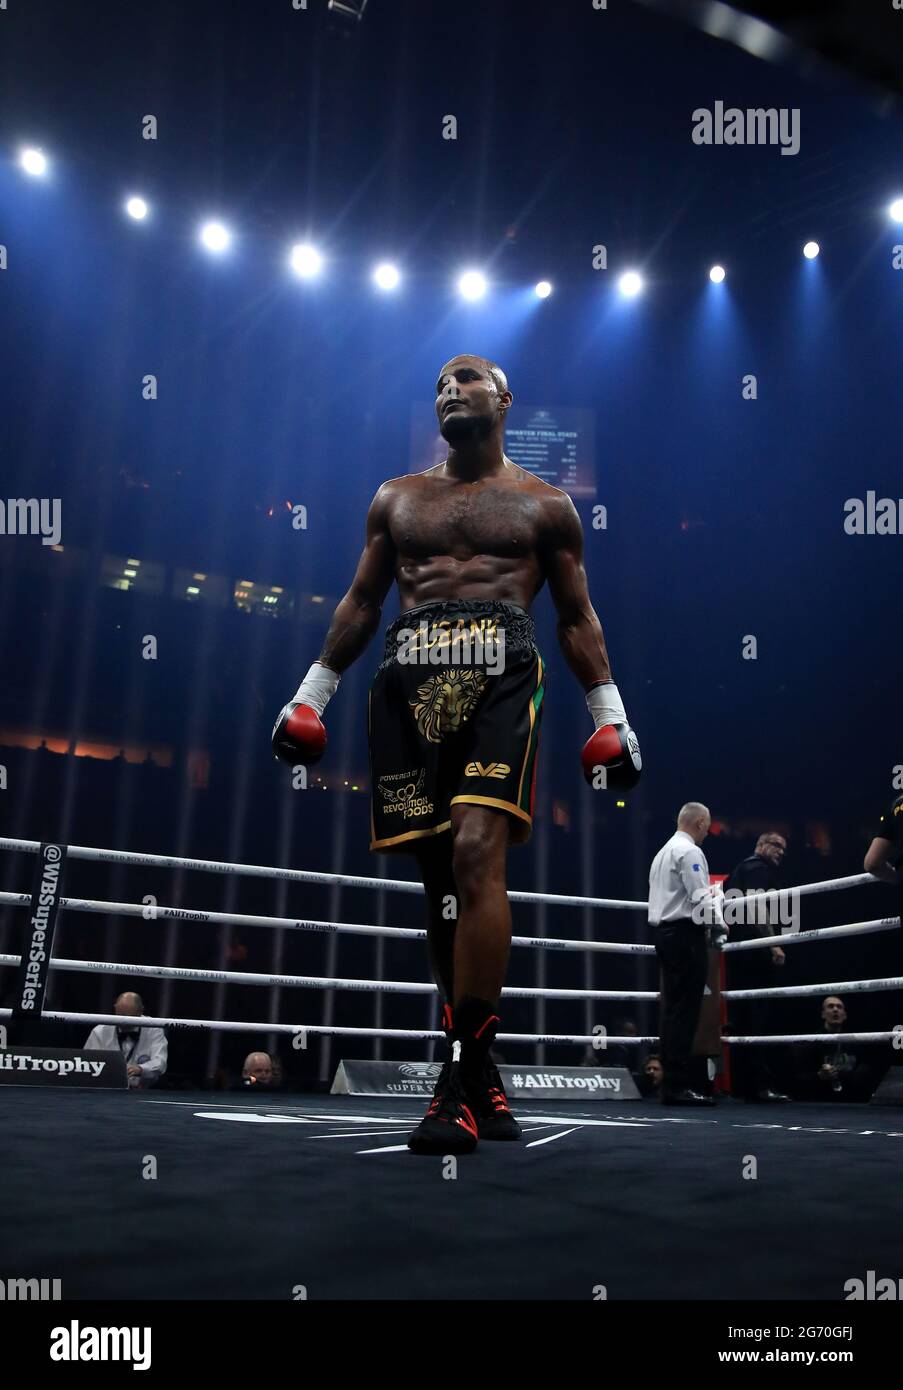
(130, 1004)
(695, 819)
(258, 1066)
(484, 365)
(472, 399)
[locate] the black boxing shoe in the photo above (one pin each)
(686, 1096)
(489, 1105)
(449, 1125)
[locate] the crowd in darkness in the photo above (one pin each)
(130, 806)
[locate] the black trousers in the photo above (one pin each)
(683, 957)
(753, 1068)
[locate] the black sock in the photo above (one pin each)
(475, 1022)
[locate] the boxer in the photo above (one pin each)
(455, 709)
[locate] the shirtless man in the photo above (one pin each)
(455, 709)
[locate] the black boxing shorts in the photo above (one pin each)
(454, 718)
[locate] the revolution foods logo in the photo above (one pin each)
(406, 798)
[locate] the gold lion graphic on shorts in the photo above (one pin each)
(446, 701)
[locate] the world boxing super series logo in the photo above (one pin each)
(402, 794)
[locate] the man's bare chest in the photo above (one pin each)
(475, 520)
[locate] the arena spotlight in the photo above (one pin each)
(215, 236)
(34, 162)
(351, 9)
(137, 208)
(716, 274)
(630, 283)
(386, 276)
(305, 260)
(811, 250)
(895, 211)
(543, 289)
(472, 285)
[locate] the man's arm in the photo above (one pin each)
(879, 860)
(704, 895)
(356, 617)
(579, 630)
(153, 1069)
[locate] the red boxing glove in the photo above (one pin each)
(611, 758)
(299, 735)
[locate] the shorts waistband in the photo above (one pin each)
(514, 621)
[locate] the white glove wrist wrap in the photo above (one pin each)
(317, 687)
(605, 705)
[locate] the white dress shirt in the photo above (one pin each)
(679, 886)
(149, 1051)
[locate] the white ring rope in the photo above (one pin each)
(815, 1037)
(818, 934)
(241, 919)
(547, 943)
(168, 861)
(156, 912)
(301, 1030)
(790, 991)
(215, 866)
(248, 977)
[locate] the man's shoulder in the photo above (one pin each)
(538, 485)
(680, 846)
(403, 483)
(748, 871)
(890, 825)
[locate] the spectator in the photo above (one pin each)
(257, 1071)
(650, 1077)
(144, 1049)
(753, 1075)
(832, 1070)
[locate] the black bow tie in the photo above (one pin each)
(127, 1033)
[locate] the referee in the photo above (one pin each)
(681, 902)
